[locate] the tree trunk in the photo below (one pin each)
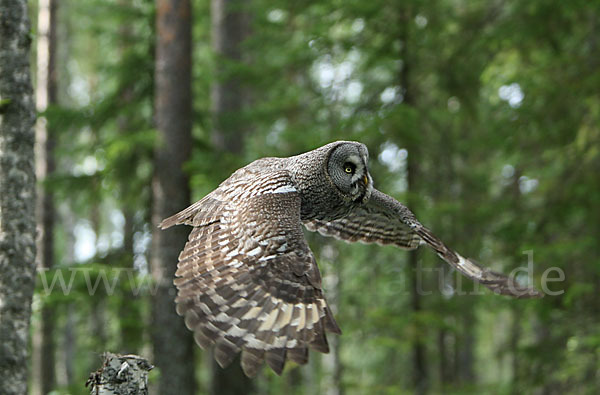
(46, 94)
(17, 200)
(120, 375)
(228, 96)
(173, 342)
(419, 366)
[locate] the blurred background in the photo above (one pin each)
(482, 116)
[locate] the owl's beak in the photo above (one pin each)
(366, 179)
(368, 187)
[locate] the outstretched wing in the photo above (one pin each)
(384, 220)
(248, 281)
(371, 223)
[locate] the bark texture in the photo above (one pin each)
(17, 197)
(120, 375)
(173, 342)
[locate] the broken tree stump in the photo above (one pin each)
(120, 375)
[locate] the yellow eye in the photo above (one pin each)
(349, 167)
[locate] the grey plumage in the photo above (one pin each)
(247, 280)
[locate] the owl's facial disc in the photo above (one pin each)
(348, 170)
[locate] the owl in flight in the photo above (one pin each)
(247, 280)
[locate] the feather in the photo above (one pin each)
(252, 359)
(225, 352)
(276, 359)
(298, 355)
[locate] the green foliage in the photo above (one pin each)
(496, 103)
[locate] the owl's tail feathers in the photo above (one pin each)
(202, 212)
(262, 327)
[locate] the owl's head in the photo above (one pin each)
(347, 168)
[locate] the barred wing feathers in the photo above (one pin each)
(248, 282)
(370, 223)
(384, 220)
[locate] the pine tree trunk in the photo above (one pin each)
(419, 366)
(173, 342)
(46, 94)
(228, 96)
(17, 200)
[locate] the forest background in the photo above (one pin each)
(482, 116)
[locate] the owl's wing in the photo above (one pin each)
(248, 281)
(384, 220)
(370, 223)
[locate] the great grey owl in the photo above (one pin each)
(247, 280)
